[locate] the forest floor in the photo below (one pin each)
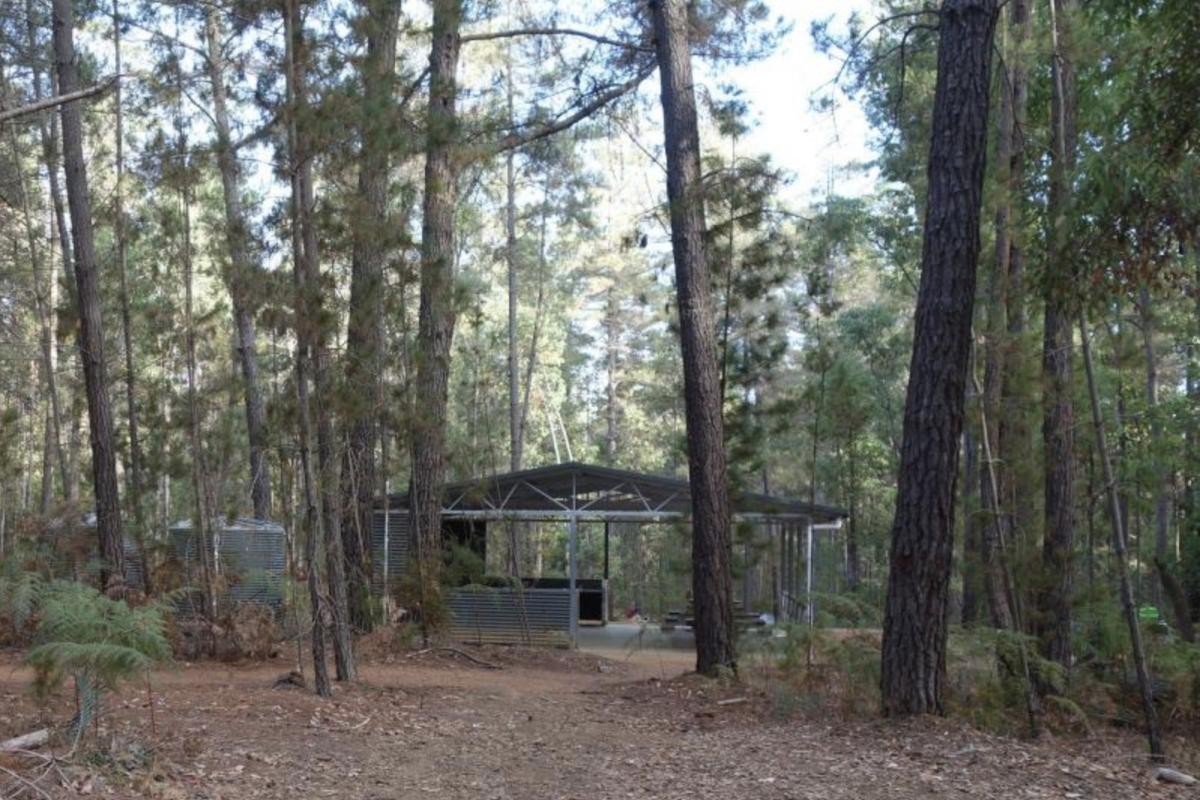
(547, 724)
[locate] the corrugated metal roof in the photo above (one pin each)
(557, 487)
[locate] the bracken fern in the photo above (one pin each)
(96, 641)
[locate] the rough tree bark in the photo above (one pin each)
(916, 614)
(1015, 430)
(91, 330)
(241, 271)
(131, 407)
(1000, 339)
(313, 327)
(134, 479)
(436, 316)
(1058, 414)
(312, 517)
(712, 554)
(364, 332)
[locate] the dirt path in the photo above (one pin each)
(576, 726)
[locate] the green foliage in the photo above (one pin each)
(988, 686)
(81, 631)
(846, 611)
(810, 669)
(84, 635)
(1189, 568)
(19, 591)
(463, 566)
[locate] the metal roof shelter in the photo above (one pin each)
(573, 492)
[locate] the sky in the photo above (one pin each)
(811, 144)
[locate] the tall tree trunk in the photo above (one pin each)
(1013, 445)
(91, 330)
(916, 614)
(204, 496)
(48, 133)
(313, 328)
(364, 333)
(44, 302)
(135, 477)
(201, 476)
(1001, 339)
(1058, 415)
(712, 554)
(1120, 550)
(302, 311)
(1162, 480)
(516, 432)
(538, 318)
(131, 407)
(436, 316)
(1191, 461)
(612, 321)
(242, 271)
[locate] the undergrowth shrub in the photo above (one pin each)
(83, 635)
(809, 669)
(1175, 665)
(987, 683)
(988, 678)
(19, 590)
(846, 611)
(461, 567)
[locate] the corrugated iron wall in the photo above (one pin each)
(397, 548)
(64, 556)
(252, 562)
(486, 615)
(135, 575)
(480, 614)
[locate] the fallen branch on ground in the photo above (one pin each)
(27, 741)
(456, 651)
(1173, 776)
(25, 783)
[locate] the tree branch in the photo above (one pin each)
(594, 37)
(561, 123)
(57, 100)
(412, 88)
